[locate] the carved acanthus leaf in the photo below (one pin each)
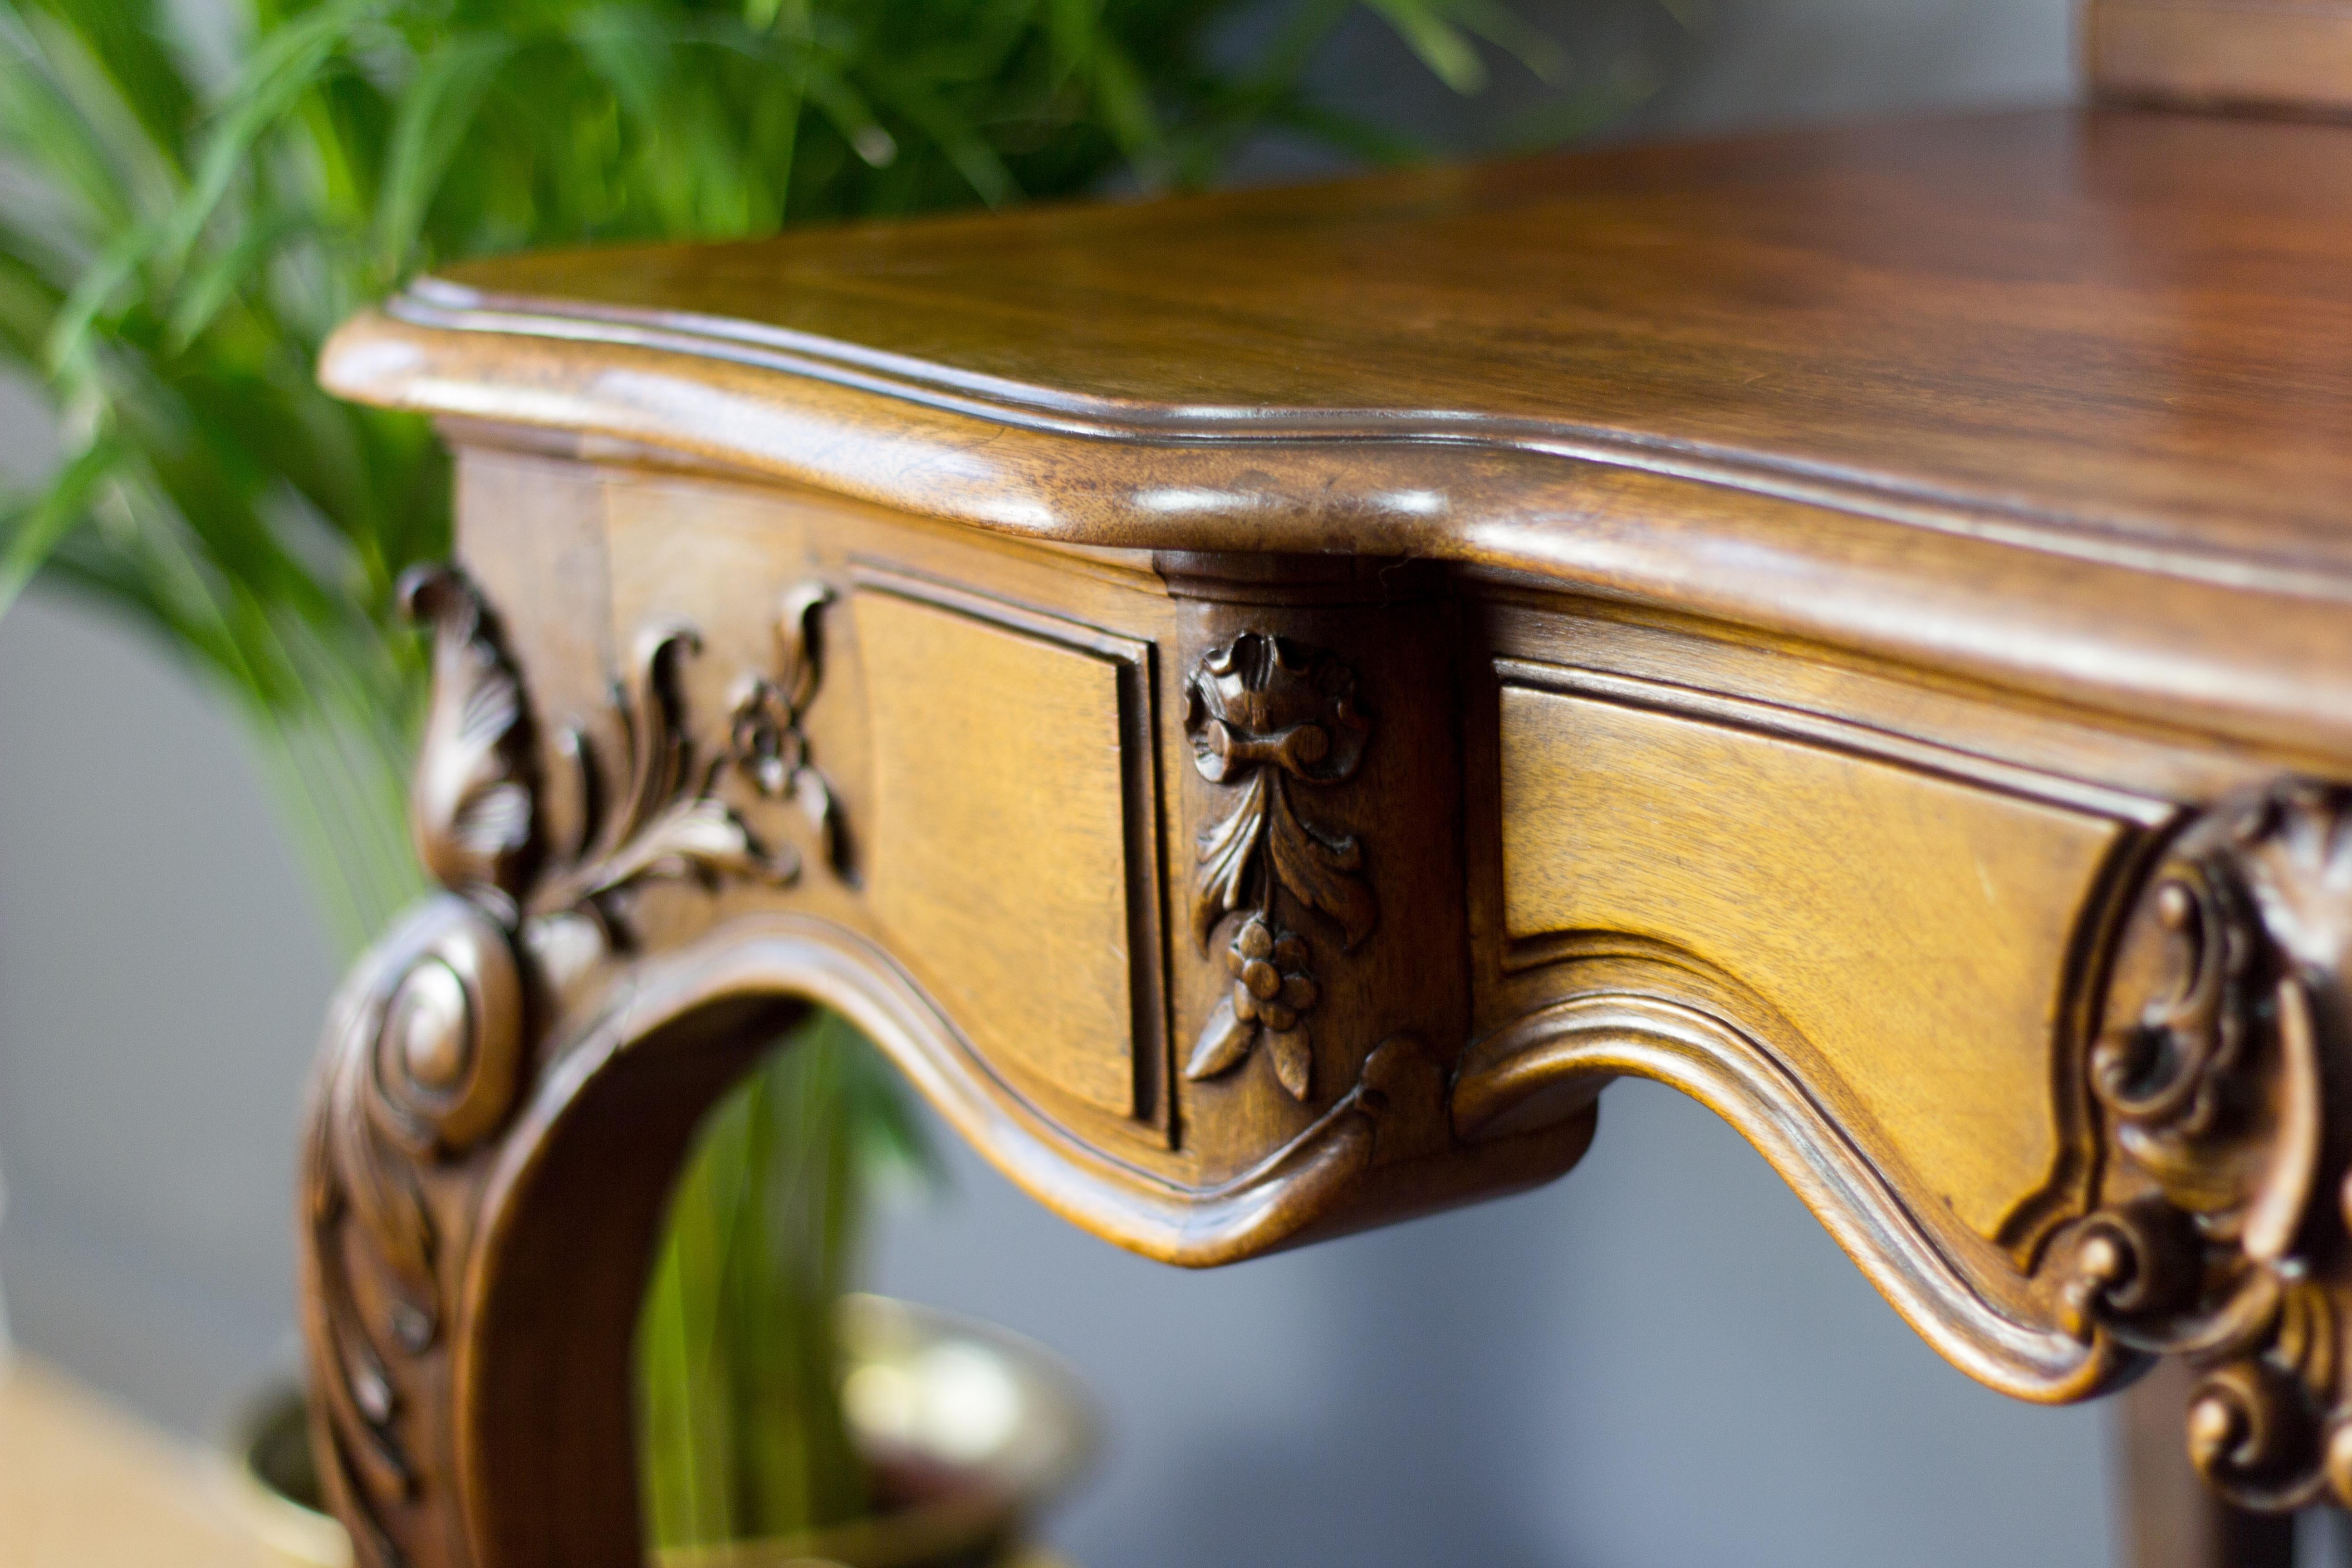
(766, 737)
(472, 797)
(671, 824)
(1224, 1041)
(423, 1059)
(1265, 714)
(425, 1056)
(1321, 872)
(1228, 853)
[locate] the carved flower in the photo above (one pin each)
(766, 739)
(1263, 711)
(1270, 980)
(1271, 994)
(1265, 700)
(1266, 716)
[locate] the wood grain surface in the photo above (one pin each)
(1738, 850)
(1006, 878)
(2114, 326)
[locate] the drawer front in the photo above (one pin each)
(1905, 937)
(1014, 808)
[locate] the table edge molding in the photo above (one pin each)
(2113, 624)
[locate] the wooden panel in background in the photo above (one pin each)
(2294, 55)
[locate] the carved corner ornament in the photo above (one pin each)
(1266, 715)
(428, 1045)
(2220, 1077)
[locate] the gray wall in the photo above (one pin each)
(1662, 1361)
(162, 980)
(1682, 67)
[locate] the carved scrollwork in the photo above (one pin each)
(424, 1060)
(766, 737)
(470, 804)
(1263, 714)
(428, 1044)
(670, 823)
(2223, 1032)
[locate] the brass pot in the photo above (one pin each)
(1004, 1422)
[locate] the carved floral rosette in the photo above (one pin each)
(429, 1043)
(2218, 1079)
(1265, 716)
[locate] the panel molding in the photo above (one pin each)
(1837, 734)
(1132, 663)
(1952, 814)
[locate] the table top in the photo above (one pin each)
(1906, 386)
(2131, 324)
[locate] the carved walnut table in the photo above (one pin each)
(1264, 705)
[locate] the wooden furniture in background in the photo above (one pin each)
(82, 1485)
(1264, 705)
(2291, 57)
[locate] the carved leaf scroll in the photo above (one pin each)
(2225, 1029)
(1322, 872)
(1265, 714)
(426, 1050)
(424, 1060)
(766, 734)
(471, 802)
(671, 823)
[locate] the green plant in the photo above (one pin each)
(742, 1421)
(192, 196)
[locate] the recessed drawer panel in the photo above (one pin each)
(1012, 824)
(1903, 937)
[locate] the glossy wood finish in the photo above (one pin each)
(2274, 56)
(1023, 880)
(1683, 372)
(1735, 848)
(1263, 706)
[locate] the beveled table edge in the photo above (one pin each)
(1975, 595)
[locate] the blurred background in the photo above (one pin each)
(1663, 1361)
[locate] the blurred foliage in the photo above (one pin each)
(743, 1437)
(195, 194)
(192, 195)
